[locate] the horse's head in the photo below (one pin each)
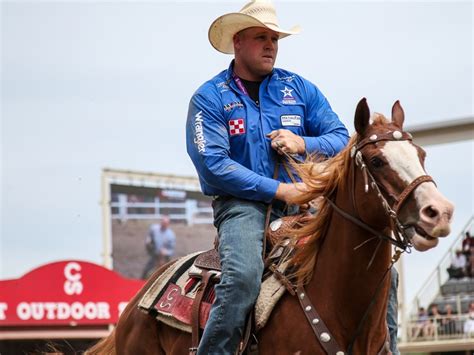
(392, 168)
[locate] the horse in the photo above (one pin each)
(373, 195)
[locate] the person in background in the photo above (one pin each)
(432, 327)
(422, 324)
(160, 245)
(469, 323)
(448, 321)
(468, 250)
(457, 269)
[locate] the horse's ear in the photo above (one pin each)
(362, 115)
(398, 116)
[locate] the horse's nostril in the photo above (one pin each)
(430, 212)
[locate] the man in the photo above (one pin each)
(458, 265)
(237, 124)
(161, 242)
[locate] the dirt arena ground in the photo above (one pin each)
(128, 243)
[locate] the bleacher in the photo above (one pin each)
(440, 332)
(459, 293)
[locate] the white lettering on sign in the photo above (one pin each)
(121, 307)
(3, 308)
(61, 310)
(73, 284)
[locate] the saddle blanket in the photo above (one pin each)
(171, 297)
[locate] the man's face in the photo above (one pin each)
(256, 49)
(165, 222)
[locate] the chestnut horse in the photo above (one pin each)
(375, 194)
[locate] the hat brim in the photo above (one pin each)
(224, 28)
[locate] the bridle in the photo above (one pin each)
(400, 239)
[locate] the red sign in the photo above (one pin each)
(69, 292)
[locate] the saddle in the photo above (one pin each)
(188, 294)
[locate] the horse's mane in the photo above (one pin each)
(322, 177)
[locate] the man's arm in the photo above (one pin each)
(327, 134)
(209, 149)
(290, 192)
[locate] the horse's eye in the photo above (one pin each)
(376, 162)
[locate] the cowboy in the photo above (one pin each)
(238, 123)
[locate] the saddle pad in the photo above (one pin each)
(173, 306)
(180, 315)
(270, 293)
(150, 297)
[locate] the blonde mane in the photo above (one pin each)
(321, 178)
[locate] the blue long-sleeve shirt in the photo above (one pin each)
(226, 131)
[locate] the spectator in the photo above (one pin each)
(422, 323)
(468, 250)
(469, 323)
(160, 245)
(432, 325)
(448, 322)
(458, 265)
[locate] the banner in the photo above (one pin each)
(69, 292)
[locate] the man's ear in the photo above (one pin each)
(236, 40)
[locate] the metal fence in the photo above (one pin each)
(440, 328)
(190, 211)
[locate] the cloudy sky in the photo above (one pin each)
(88, 85)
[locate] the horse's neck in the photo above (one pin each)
(342, 287)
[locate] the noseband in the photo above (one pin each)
(401, 239)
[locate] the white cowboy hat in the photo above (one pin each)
(257, 13)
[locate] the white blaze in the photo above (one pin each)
(403, 158)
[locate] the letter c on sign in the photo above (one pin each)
(73, 285)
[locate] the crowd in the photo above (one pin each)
(434, 323)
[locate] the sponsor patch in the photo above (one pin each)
(222, 86)
(288, 79)
(236, 127)
(288, 98)
(199, 139)
(290, 120)
(230, 106)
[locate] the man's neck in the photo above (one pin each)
(244, 73)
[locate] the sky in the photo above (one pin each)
(87, 85)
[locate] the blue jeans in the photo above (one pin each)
(392, 311)
(240, 224)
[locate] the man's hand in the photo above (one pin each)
(286, 141)
(290, 192)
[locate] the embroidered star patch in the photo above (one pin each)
(236, 127)
(287, 92)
